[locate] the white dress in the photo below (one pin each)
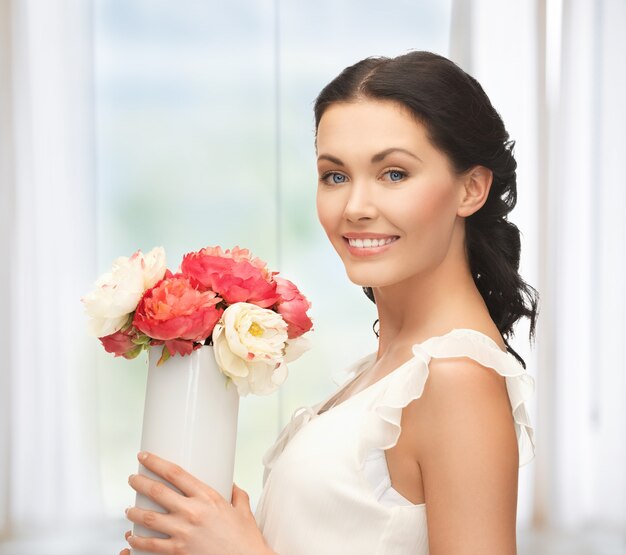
(326, 487)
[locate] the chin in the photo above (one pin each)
(372, 278)
(364, 281)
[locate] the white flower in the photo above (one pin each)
(249, 345)
(118, 292)
(154, 266)
(295, 347)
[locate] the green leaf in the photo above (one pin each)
(165, 354)
(141, 340)
(129, 322)
(133, 353)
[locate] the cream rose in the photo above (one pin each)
(249, 345)
(153, 266)
(295, 347)
(118, 292)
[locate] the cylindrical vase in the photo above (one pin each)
(190, 418)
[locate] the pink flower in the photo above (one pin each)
(175, 309)
(121, 343)
(238, 255)
(181, 347)
(292, 306)
(234, 275)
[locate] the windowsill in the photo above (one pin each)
(103, 538)
(107, 538)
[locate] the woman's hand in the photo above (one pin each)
(200, 522)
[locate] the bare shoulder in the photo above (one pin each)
(462, 436)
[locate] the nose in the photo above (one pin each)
(360, 203)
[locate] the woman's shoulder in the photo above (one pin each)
(459, 392)
(472, 385)
(457, 384)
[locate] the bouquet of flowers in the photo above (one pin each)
(254, 319)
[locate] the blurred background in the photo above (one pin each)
(129, 124)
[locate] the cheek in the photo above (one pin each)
(428, 215)
(326, 212)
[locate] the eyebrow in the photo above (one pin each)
(376, 158)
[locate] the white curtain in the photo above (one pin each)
(555, 71)
(587, 264)
(48, 466)
(6, 227)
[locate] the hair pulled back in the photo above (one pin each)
(462, 123)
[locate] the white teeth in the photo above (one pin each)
(368, 243)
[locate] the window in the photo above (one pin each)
(204, 130)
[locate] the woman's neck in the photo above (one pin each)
(429, 305)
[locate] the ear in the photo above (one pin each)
(476, 185)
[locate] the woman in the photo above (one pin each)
(419, 452)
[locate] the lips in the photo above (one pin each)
(365, 248)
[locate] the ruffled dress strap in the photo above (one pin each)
(381, 426)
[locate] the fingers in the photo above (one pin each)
(159, 492)
(241, 499)
(160, 522)
(126, 551)
(153, 545)
(177, 476)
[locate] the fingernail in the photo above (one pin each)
(126, 510)
(130, 477)
(142, 455)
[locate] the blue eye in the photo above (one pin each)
(337, 178)
(396, 175)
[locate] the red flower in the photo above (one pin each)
(121, 343)
(233, 275)
(171, 347)
(292, 306)
(175, 309)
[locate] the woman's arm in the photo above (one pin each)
(200, 522)
(464, 437)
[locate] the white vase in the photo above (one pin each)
(190, 418)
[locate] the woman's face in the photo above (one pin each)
(379, 176)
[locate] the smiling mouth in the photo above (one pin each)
(370, 243)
